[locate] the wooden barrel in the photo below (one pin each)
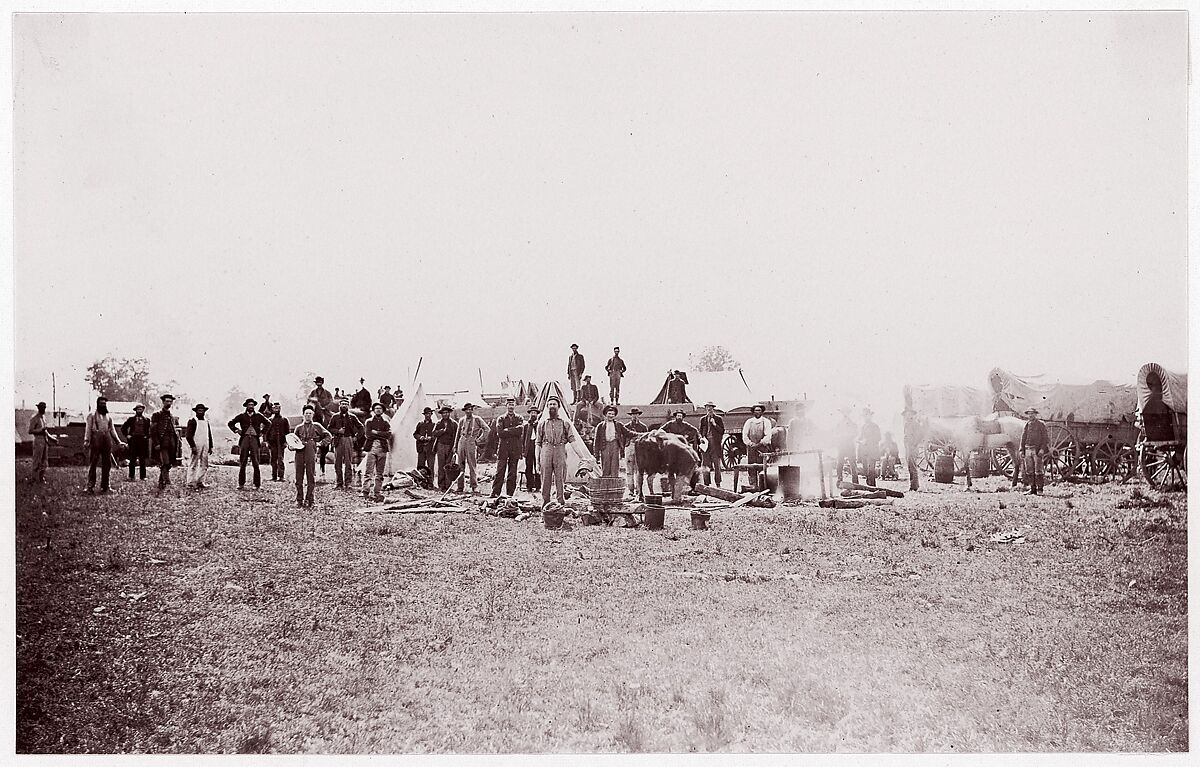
(606, 489)
(943, 469)
(981, 466)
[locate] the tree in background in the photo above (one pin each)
(128, 380)
(306, 385)
(713, 359)
(232, 405)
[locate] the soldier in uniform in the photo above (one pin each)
(345, 429)
(311, 434)
(529, 442)
(277, 441)
(164, 440)
(445, 434)
(378, 431)
(509, 429)
(1035, 444)
(249, 427)
(611, 440)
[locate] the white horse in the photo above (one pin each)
(971, 434)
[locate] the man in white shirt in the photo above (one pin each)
(755, 431)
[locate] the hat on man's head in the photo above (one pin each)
(385, 388)
(200, 407)
(635, 411)
(533, 409)
(138, 406)
(710, 403)
(679, 411)
(166, 397)
(250, 402)
(468, 406)
(344, 401)
(445, 409)
(426, 411)
(43, 404)
(307, 408)
(574, 346)
(380, 405)
(555, 400)
(318, 380)
(762, 408)
(607, 408)
(587, 377)
(1031, 411)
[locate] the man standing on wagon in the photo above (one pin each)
(615, 368)
(575, 364)
(1035, 444)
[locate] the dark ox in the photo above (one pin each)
(659, 452)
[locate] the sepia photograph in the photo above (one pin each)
(534, 380)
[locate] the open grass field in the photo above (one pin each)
(234, 622)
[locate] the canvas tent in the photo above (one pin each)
(1096, 402)
(403, 453)
(727, 389)
(548, 390)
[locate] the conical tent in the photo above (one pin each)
(662, 399)
(550, 389)
(403, 453)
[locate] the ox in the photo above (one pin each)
(659, 452)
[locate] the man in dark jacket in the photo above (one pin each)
(635, 427)
(136, 431)
(378, 440)
(575, 365)
(277, 441)
(533, 481)
(589, 393)
(615, 368)
(509, 450)
(387, 399)
(164, 440)
(361, 400)
(445, 434)
(677, 388)
(1035, 445)
(267, 408)
(690, 433)
(610, 441)
(345, 429)
(250, 427)
(423, 434)
(712, 430)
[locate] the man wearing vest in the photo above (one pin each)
(553, 435)
(1035, 444)
(509, 428)
(199, 438)
(41, 445)
(345, 429)
(378, 432)
(164, 440)
(99, 439)
(712, 429)
(277, 441)
(136, 431)
(249, 428)
(472, 432)
(635, 427)
(610, 442)
(310, 435)
(754, 431)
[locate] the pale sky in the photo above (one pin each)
(846, 201)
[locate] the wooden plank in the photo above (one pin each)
(843, 485)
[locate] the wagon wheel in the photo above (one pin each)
(1002, 460)
(1065, 456)
(928, 452)
(1113, 460)
(1165, 466)
(732, 450)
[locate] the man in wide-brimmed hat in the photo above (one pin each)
(712, 431)
(277, 440)
(249, 427)
(589, 393)
(445, 434)
(472, 432)
(164, 440)
(756, 429)
(345, 428)
(320, 396)
(610, 441)
(198, 434)
(1035, 445)
(635, 427)
(423, 435)
(136, 431)
(575, 366)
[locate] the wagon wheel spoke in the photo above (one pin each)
(1003, 461)
(1064, 453)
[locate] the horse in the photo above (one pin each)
(968, 434)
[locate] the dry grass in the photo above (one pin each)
(266, 628)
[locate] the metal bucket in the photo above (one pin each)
(553, 520)
(654, 500)
(700, 520)
(943, 469)
(789, 482)
(656, 517)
